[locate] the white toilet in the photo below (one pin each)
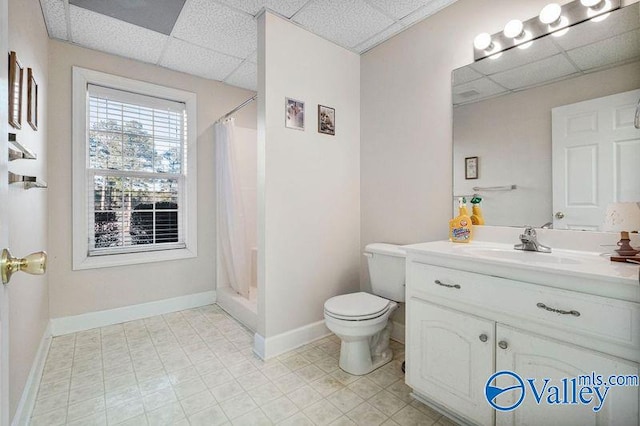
(360, 320)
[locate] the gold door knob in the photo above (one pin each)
(34, 264)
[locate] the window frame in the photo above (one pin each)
(80, 97)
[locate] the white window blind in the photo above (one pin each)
(136, 172)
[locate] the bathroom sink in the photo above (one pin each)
(523, 256)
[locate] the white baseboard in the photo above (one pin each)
(397, 333)
(73, 324)
(276, 345)
(30, 392)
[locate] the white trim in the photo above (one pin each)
(28, 399)
(81, 78)
(72, 324)
(270, 347)
(397, 332)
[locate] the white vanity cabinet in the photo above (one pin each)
(463, 326)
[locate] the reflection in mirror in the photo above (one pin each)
(553, 126)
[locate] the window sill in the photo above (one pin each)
(125, 259)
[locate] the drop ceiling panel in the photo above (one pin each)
(590, 32)
(155, 15)
(431, 7)
(528, 75)
(516, 57)
(101, 32)
(246, 76)
(347, 23)
(379, 38)
(217, 27)
(196, 60)
(398, 8)
(55, 18)
(608, 52)
(284, 7)
(464, 75)
(475, 91)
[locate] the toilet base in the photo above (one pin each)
(359, 357)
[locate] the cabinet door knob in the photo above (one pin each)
(483, 337)
(503, 344)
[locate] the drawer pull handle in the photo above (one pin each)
(558, 311)
(483, 338)
(446, 285)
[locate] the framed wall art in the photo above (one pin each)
(326, 120)
(32, 100)
(471, 168)
(15, 91)
(294, 114)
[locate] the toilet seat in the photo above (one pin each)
(356, 306)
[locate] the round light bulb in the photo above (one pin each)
(482, 41)
(596, 4)
(514, 29)
(550, 13)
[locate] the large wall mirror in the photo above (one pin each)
(552, 126)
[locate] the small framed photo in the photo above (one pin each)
(471, 168)
(294, 114)
(32, 100)
(15, 91)
(326, 120)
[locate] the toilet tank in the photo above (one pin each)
(386, 270)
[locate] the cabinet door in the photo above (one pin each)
(534, 357)
(449, 359)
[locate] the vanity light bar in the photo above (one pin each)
(552, 18)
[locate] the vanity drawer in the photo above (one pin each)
(593, 317)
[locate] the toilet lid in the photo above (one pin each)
(356, 305)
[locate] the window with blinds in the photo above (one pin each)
(136, 172)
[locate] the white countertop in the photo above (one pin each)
(587, 272)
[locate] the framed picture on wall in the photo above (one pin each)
(294, 114)
(32, 100)
(471, 168)
(15, 91)
(326, 120)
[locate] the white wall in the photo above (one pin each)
(77, 292)
(406, 120)
(309, 183)
(502, 127)
(28, 295)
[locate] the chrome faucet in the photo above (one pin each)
(529, 242)
(548, 225)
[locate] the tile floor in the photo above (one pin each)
(196, 367)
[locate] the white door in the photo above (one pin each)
(534, 357)
(450, 358)
(4, 237)
(596, 152)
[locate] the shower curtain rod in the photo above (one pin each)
(238, 108)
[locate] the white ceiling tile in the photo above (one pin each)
(253, 57)
(608, 52)
(284, 7)
(196, 60)
(217, 27)
(536, 73)
(347, 23)
(379, 38)
(475, 91)
(464, 75)
(431, 7)
(618, 22)
(246, 76)
(516, 57)
(398, 8)
(111, 35)
(55, 18)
